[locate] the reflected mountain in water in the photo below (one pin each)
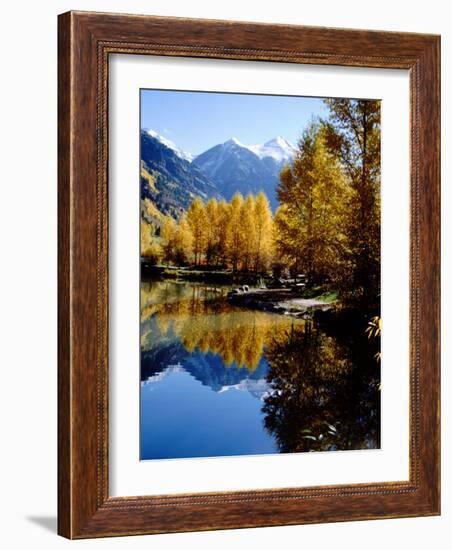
(255, 385)
(208, 368)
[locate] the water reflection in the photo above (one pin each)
(319, 397)
(202, 319)
(220, 380)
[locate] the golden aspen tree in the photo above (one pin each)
(248, 224)
(331, 196)
(263, 223)
(183, 242)
(236, 231)
(353, 135)
(212, 231)
(145, 237)
(287, 235)
(197, 221)
(314, 198)
(223, 228)
(168, 234)
(149, 247)
(293, 219)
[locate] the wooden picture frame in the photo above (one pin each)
(86, 40)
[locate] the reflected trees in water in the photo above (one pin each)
(201, 319)
(323, 393)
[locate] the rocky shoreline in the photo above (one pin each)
(280, 301)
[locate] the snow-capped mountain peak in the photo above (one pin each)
(280, 142)
(236, 167)
(168, 143)
(234, 141)
(277, 148)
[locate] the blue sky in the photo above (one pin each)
(196, 121)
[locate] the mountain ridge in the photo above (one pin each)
(234, 166)
(172, 178)
(170, 181)
(171, 145)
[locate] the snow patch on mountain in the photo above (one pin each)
(171, 145)
(277, 148)
(257, 388)
(234, 141)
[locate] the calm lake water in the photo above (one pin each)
(218, 380)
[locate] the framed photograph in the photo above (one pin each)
(248, 275)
